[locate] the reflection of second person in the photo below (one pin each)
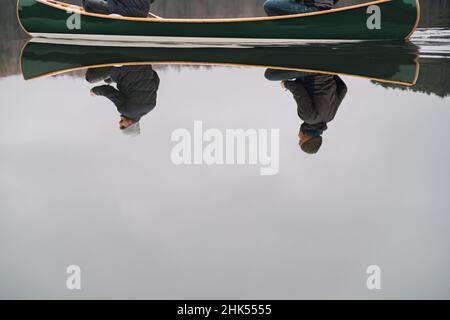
(318, 97)
(135, 95)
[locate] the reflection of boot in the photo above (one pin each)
(284, 75)
(98, 74)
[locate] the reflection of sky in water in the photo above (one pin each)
(73, 190)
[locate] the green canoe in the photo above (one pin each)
(386, 62)
(375, 20)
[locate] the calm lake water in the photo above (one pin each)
(75, 191)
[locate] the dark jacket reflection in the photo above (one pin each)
(318, 97)
(136, 91)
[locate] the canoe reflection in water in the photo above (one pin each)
(319, 93)
(135, 95)
(318, 97)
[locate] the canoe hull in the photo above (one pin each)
(398, 19)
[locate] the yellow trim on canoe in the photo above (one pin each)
(80, 10)
(417, 20)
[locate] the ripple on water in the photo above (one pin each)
(433, 42)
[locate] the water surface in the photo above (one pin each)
(74, 190)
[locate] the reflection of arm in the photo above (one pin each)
(94, 75)
(341, 89)
(305, 106)
(111, 93)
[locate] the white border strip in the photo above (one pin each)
(150, 41)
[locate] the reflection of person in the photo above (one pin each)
(318, 98)
(286, 7)
(135, 95)
(130, 8)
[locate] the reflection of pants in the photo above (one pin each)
(285, 75)
(96, 6)
(285, 7)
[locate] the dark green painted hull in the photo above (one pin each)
(398, 19)
(389, 62)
